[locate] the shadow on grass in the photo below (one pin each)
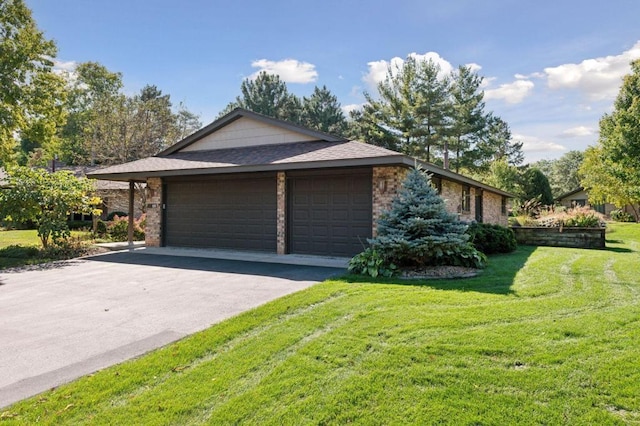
(496, 278)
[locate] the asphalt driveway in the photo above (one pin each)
(61, 321)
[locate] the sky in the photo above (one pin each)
(551, 69)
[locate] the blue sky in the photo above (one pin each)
(551, 68)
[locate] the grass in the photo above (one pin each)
(543, 336)
(28, 238)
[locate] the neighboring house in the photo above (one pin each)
(251, 182)
(580, 197)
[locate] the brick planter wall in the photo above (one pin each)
(593, 238)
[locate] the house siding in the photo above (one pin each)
(153, 230)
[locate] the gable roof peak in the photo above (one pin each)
(239, 113)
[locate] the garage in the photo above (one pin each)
(229, 212)
(329, 211)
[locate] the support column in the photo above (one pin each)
(153, 230)
(132, 188)
(281, 221)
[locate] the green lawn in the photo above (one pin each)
(22, 237)
(543, 336)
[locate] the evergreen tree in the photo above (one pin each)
(322, 111)
(267, 95)
(419, 231)
(468, 118)
(535, 184)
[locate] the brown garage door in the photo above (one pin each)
(329, 212)
(230, 212)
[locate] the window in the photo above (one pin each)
(436, 182)
(503, 207)
(466, 198)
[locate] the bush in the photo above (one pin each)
(112, 215)
(101, 228)
(490, 239)
(371, 262)
(621, 216)
(80, 224)
(19, 252)
(118, 228)
(65, 249)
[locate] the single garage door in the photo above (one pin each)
(329, 212)
(230, 212)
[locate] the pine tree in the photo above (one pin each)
(419, 231)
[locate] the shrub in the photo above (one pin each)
(112, 215)
(490, 239)
(418, 231)
(621, 216)
(66, 249)
(101, 228)
(371, 262)
(118, 228)
(19, 252)
(80, 224)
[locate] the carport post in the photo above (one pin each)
(130, 229)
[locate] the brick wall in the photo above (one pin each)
(386, 183)
(117, 200)
(492, 209)
(281, 223)
(153, 231)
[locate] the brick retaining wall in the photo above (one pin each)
(593, 238)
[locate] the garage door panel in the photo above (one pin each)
(222, 212)
(330, 214)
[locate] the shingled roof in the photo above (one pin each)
(326, 152)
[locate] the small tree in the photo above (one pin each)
(418, 230)
(47, 199)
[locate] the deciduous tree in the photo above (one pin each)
(47, 199)
(30, 92)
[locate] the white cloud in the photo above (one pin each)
(289, 70)
(598, 78)
(533, 144)
(577, 132)
(511, 93)
(378, 69)
(346, 109)
(68, 66)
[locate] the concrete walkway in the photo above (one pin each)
(67, 319)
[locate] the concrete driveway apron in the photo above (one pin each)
(61, 321)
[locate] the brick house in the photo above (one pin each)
(251, 182)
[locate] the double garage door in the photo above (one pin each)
(328, 213)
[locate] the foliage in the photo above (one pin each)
(30, 92)
(118, 228)
(19, 252)
(543, 336)
(552, 217)
(418, 230)
(47, 199)
(534, 184)
(611, 169)
(490, 239)
(435, 117)
(267, 94)
(106, 126)
(111, 215)
(370, 262)
(621, 216)
(563, 173)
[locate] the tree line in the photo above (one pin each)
(81, 117)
